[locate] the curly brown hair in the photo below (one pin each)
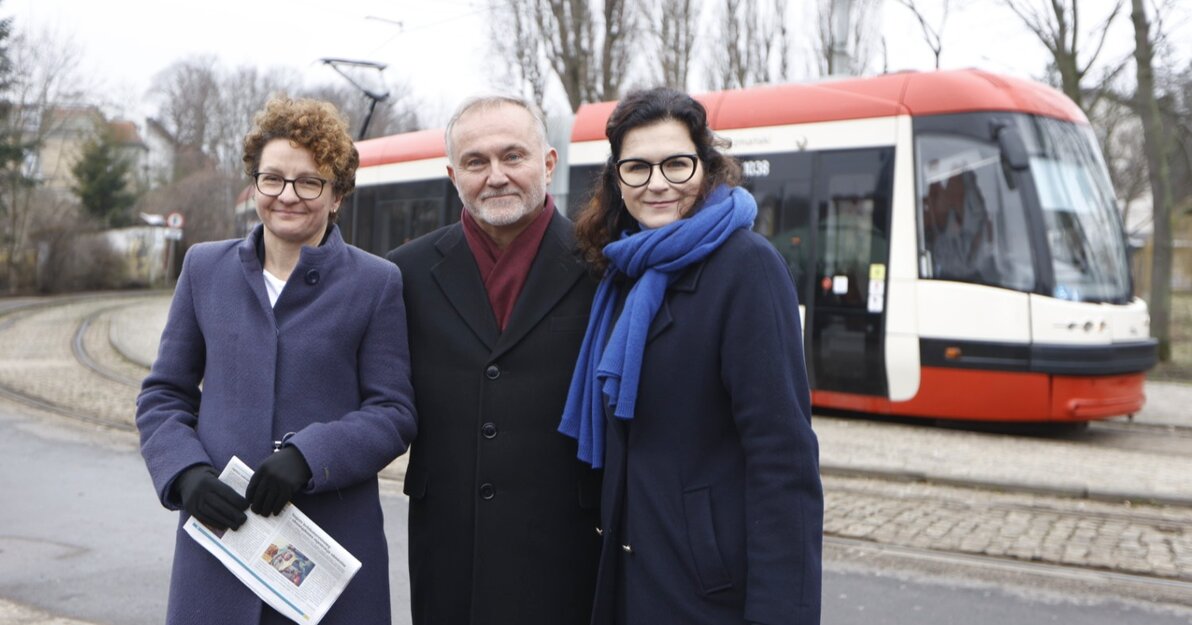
(314, 125)
(605, 217)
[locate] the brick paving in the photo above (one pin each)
(1125, 538)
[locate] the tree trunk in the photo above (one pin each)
(1156, 153)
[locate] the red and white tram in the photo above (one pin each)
(953, 237)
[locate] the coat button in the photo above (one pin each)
(627, 548)
(312, 277)
(489, 430)
(599, 531)
(487, 491)
(492, 372)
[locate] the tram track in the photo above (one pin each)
(81, 353)
(15, 313)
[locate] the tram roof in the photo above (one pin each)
(410, 146)
(903, 93)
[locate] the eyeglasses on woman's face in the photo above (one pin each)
(676, 169)
(305, 187)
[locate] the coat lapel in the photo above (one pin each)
(459, 278)
(686, 283)
(555, 269)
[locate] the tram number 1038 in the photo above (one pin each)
(756, 168)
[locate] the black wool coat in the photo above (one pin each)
(502, 515)
(713, 509)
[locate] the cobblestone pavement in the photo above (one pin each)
(38, 361)
(1125, 538)
(1066, 502)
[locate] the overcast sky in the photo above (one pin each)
(440, 47)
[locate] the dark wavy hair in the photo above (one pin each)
(604, 217)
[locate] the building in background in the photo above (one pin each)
(65, 132)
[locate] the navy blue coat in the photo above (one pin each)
(329, 362)
(712, 507)
(502, 514)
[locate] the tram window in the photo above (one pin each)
(972, 224)
(792, 232)
(781, 184)
(583, 181)
(399, 221)
(847, 244)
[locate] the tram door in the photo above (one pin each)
(850, 200)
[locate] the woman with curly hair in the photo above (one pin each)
(690, 389)
(287, 349)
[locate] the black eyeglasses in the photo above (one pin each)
(677, 169)
(305, 187)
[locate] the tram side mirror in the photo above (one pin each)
(1012, 146)
(1013, 151)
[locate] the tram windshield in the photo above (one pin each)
(1084, 230)
(975, 222)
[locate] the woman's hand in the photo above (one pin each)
(276, 480)
(209, 500)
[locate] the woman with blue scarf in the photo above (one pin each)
(691, 389)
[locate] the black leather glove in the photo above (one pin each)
(276, 480)
(209, 500)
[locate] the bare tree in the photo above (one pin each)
(242, 92)
(784, 40)
(1119, 135)
(933, 35)
(519, 43)
(844, 35)
(567, 29)
(189, 94)
(619, 29)
(753, 45)
(1157, 165)
(1176, 106)
(45, 79)
(1056, 24)
(584, 45)
(674, 24)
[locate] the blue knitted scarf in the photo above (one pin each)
(655, 258)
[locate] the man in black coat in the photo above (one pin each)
(502, 514)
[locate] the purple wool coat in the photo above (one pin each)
(330, 363)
